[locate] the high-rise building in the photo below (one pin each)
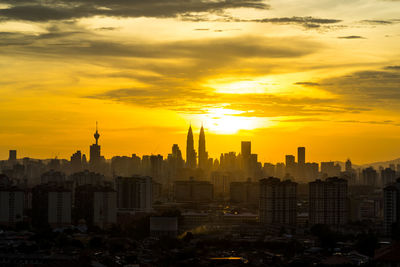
(328, 202)
(388, 176)
(221, 181)
(301, 163)
(76, 162)
(193, 191)
(203, 155)
(51, 205)
(246, 149)
(301, 155)
(97, 205)
(54, 177)
(278, 201)
(245, 192)
(95, 155)
(349, 166)
(370, 177)
(190, 152)
(86, 178)
(391, 207)
(11, 204)
(291, 166)
(134, 193)
(330, 169)
(246, 157)
(12, 158)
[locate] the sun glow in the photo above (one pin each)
(229, 121)
(260, 86)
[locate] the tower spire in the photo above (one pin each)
(96, 134)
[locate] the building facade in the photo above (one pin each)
(278, 201)
(328, 202)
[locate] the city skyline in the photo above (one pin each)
(321, 76)
(197, 158)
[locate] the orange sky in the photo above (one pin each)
(321, 74)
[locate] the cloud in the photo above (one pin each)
(107, 28)
(310, 21)
(41, 11)
(392, 68)
(307, 83)
(369, 87)
(380, 21)
(306, 22)
(351, 37)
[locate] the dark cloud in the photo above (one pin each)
(299, 20)
(198, 101)
(380, 21)
(372, 88)
(50, 10)
(204, 50)
(392, 68)
(306, 22)
(351, 37)
(384, 122)
(307, 83)
(107, 28)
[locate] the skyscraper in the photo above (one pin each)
(301, 155)
(190, 152)
(349, 166)
(134, 193)
(278, 201)
(391, 204)
(95, 151)
(12, 156)
(328, 202)
(246, 152)
(246, 148)
(301, 162)
(203, 155)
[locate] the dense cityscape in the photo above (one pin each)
(170, 211)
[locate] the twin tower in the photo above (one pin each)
(191, 155)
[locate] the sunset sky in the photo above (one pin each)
(281, 73)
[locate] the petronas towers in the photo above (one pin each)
(191, 155)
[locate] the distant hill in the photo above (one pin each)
(375, 165)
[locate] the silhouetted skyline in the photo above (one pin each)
(282, 74)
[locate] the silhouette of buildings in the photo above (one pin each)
(370, 176)
(193, 191)
(12, 199)
(51, 205)
(76, 162)
(278, 203)
(391, 208)
(12, 158)
(388, 176)
(95, 154)
(328, 202)
(203, 155)
(330, 169)
(247, 193)
(190, 152)
(134, 194)
(96, 204)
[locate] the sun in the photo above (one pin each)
(229, 121)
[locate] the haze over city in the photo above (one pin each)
(282, 74)
(141, 133)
